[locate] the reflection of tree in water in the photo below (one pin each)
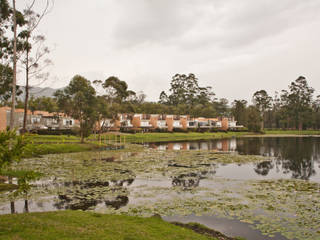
(294, 154)
(298, 156)
(118, 202)
(264, 167)
(190, 180)
(86, 194)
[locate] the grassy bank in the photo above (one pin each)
(292, 132)
(33, 150)
(86, 225)
(166, 137)
(7, 187)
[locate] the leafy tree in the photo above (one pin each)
(163, 98)
(6, 76)
(79, 101)
(11, 148)
(9, 21)
(43, 103)
(263, 102)
(239, 111)
(316, 113)
(116, 89)
(185, 89)
(254, 119)
(297, 102)
(221, 106)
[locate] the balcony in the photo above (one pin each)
(177, 124)
(192, 124)
(145, 124)
(162, 124)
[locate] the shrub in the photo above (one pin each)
(11, 148)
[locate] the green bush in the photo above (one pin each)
(11, 148)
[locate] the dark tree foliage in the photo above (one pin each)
(43, 104)
(186, 96)
(239, 111)
(6, 75)
(185, 89)
(11, 148)
(254, 119)
(116, 89)
(292, 109)
(6, 29)
(297, 103)
(263, 102)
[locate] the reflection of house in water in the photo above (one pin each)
(226, 145)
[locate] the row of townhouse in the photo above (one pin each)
(36, 120)
(170, 123)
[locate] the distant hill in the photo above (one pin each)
(38, 92)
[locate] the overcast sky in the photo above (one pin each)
(237, 47)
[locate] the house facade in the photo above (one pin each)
(36, 120)
(170, 123)
(145, 122)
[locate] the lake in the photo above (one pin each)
(294, 157)
(258, 188)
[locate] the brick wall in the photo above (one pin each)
(136, 121)
(169, 121)
(154, 121)
(224, 124)
(184, 123)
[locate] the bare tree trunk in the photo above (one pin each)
(26, 206)
(13, 210)
(14, 81)
(26, 99)
(81, 131)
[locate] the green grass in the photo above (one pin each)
(86, 225)
(52, 138)
(7, 187)
(293, 132)
(164, 137)
(42, 149)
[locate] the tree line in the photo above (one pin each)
(89, 102)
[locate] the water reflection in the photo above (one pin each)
(219, 145)
(117, 202)
(186, 181)
(84, 195)
(264, 167)
(298, 156)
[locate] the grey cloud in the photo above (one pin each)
(195, 24)
(153, 21)
(145, 42)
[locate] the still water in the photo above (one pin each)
(290, 157)
(82, 182)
